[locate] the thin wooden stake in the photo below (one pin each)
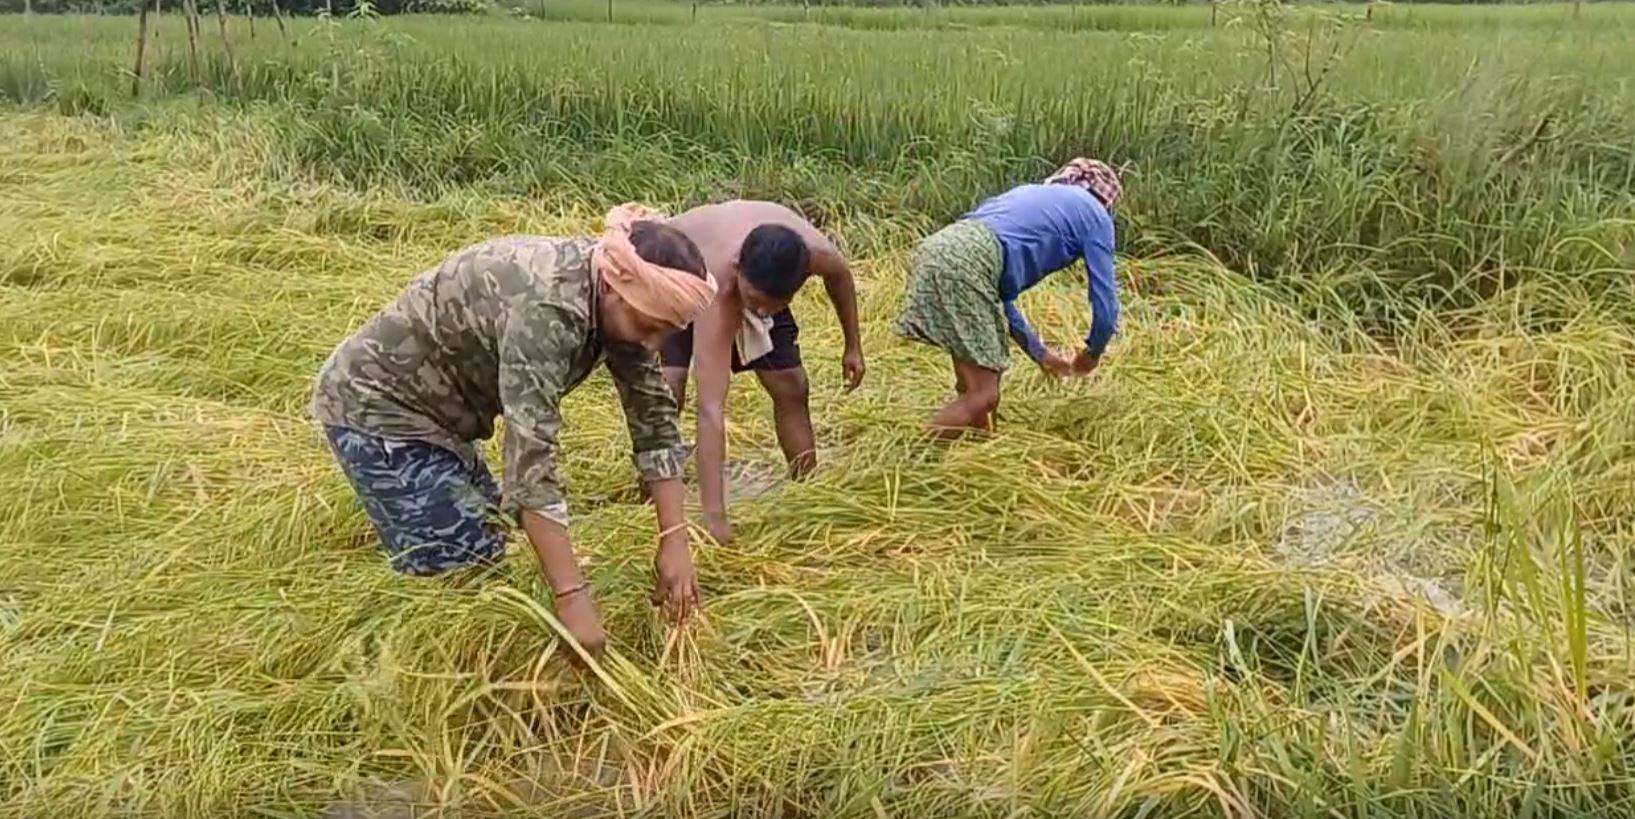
(249, 11)
(190, 15)
(141, 46)
(226, 43)
(278, 17)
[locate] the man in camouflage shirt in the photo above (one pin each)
(507, 327)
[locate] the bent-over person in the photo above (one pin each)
(510, 327)
(964, 281)
(760, 253)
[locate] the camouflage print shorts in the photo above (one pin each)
(434, 512)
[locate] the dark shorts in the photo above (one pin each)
(785, 355)
(434, 512)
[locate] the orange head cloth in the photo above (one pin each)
(664, 293)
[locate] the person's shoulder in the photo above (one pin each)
(734, 219)
(1100, 215)
(549, 268)
(710, 210)
(1034, 189)
(695, 219)
(537, 244)
(1023, 194)
(1086, 205)
(742, 205)
(778, 213)
(737, 209)
(544, 255)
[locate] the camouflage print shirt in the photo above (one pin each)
(505, 327)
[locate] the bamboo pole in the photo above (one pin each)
(141, 46)
(278, 17)
(226, 43)
(190, 16)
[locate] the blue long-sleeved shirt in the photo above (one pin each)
(1042, 229)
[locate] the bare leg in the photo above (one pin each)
(973, 408)
(791, 395)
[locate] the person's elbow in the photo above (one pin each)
(829, 266)
(833, 276)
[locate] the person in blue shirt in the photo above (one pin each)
(964, 280)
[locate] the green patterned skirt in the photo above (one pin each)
(953, 295)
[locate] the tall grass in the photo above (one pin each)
(1066, 16)
(1262, 566)
(1430, 165)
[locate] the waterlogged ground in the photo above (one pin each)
(1260, 565)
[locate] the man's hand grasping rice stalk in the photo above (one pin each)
(509, 327)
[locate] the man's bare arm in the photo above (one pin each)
(713, 335)
(842, 290)
(562, 573)
(555, 550)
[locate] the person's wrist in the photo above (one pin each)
(675, 540)
(572, 591)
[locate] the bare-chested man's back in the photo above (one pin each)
(719, 230)
(760, 253)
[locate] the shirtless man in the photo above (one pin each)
(760, 254)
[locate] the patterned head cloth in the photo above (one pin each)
(667, 294)
(1093, 175)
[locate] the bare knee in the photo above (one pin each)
(789, 389)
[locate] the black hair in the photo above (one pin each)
(664, 245)
(774, 259)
